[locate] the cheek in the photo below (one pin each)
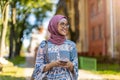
(67, 29)
(66, 32)
(61, 31)
(58, 29)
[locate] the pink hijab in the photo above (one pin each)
(55, 37)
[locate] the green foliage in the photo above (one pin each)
(35, 3)
(21, 10)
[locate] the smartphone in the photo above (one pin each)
(63, 61)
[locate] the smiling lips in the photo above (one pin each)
(64, 30)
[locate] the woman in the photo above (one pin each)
(62, 61)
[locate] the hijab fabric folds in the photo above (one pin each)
(55, 37)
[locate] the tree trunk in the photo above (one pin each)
(18, 42)
(11, 41)
(65, 9)
(76, 16)
(18, 48)
(12, 30)
(74, 34)
(4, 30)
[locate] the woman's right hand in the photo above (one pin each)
(51, 65)
(54, 64)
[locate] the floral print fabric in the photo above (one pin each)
(66, 51)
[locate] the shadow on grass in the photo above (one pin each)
(24, 62)
(108, 69)
(4, 77)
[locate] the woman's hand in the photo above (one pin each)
(51, 65)
(68, 65)
(65, 64)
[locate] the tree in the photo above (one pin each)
(62, 5)
(76, 16)
(4, 13)
(23, 9)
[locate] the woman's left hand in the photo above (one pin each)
(69, 65)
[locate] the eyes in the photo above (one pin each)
(64, 25)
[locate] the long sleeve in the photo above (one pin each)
(40, 61)
(74, 59)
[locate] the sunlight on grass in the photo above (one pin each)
(16, 75)
(14, 72)
(108, 71)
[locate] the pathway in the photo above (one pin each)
(85, 75)
(29, 65)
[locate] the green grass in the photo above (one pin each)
(16, 72)
(16, 75)
(108, 71)
(103, 68)
(18, 60)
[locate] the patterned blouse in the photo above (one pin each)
(55, 52)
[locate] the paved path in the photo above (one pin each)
(83, 75)
(29, 65)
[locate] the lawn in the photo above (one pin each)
(14, 72)
(108, 71)
(108, 68)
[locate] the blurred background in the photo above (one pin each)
(94, 27)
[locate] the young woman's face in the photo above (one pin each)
(63, 27)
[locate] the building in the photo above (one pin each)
(96, 25)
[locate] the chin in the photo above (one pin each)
(64, 34)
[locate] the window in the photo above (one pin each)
(93, 33)
(100, 31)
(92, 12)
(100, 5)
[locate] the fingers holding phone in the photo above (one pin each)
(63, 63)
